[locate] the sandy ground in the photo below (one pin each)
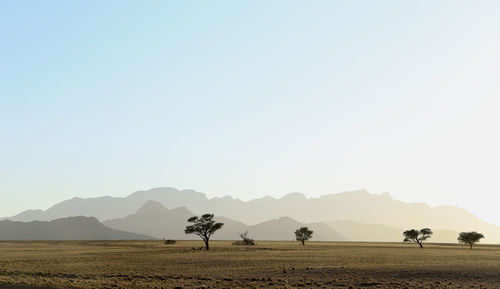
(151, 264)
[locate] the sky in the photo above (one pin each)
(250, 98)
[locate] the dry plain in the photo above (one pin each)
(151, 264)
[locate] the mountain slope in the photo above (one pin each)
(155, 220)
(105, 208)
(283, 229)
(72, 228)
(356, 231)
(359, 206)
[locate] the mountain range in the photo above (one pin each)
(356, 215)
(72, 228)
(155, 220)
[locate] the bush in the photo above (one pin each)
(243, 243)
(169, 242)
(245, 240)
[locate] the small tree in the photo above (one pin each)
(203, 227)
(417, 236)
(470, 238)
(303, 234)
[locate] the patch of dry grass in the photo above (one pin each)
(150, 264)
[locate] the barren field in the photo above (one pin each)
(152, 264)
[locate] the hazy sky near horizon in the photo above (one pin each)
(250, 98)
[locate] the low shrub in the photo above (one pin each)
(245, 240)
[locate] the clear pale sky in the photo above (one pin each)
(250, 98)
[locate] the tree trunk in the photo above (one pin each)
(420, 244)
(470, 246)
(303, 243)
(206, 245)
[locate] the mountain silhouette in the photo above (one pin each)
(72, 228)
(155, 220)
(105, 208)
(283, 229)
(359, 206)
(356, 231)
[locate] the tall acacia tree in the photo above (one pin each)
(303, 234)
(417, 236)
(203, 227)
(469, 238)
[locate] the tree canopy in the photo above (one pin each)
(469, 238)
(203, 227)
(303, 234)
(417, 236)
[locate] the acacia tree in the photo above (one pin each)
(417, 236)
(203, 227)
(470, 238)
(303, 234)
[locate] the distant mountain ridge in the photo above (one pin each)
(105, 208)
(359, 206)
(155, 220)
(356, 231)
(71, 228)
